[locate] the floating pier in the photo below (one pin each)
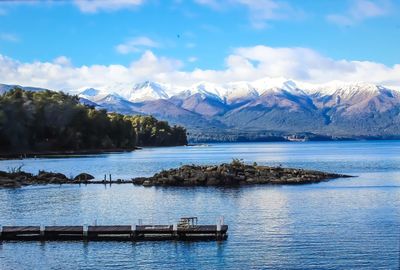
(186, 230)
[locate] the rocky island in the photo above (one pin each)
(234, 174)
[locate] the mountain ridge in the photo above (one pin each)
(333, 109)
(275, 104)
(229, 91)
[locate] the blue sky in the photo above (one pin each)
(182, 37)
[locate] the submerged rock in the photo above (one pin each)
(234, 174)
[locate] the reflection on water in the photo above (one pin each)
(348, 157)
(341, 224)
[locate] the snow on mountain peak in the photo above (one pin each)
(233, 91)
(240, 90)
(206, 89)
(113, 98)
(147, 91)
(277, 84)
(344, 89)
(90, 92)
(139, 92)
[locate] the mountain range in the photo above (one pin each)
(336, 109)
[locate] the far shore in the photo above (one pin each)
(55, 153)
(72, 153)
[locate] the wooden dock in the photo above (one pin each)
(114, 233)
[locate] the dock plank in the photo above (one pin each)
(21, 229)
(64, 229)
(203, 229)
(117, 229)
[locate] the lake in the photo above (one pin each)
(341, 224)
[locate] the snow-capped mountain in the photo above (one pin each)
(234, 91)
(241, 91)
(141, 91)
(132, 92)
(208, 90)
(90, 92)
(277, 104)
(147, 91)
(335, 108)
(229, 92)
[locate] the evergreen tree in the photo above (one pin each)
(48, 120)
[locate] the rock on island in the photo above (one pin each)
(19, 178)
(234, 174)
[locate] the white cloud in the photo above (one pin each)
(60, 74)
(361, 10)
(246, 63)
(136, 44)
(9, 37)
(260, 11)
(93, 6)
(62, 61)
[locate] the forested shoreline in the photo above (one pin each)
(49, 121)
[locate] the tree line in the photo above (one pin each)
(55, 121)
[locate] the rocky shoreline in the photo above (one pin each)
(234, 174)
(20, 179)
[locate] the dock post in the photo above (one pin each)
(175, 230)
(110, 178)
(219, 225)
(1, 230)
(42, 231)
(85, 231)
(133, 232)
(138, 235)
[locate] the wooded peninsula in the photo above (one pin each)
(49, 121)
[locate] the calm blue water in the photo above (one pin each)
(342, 224)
